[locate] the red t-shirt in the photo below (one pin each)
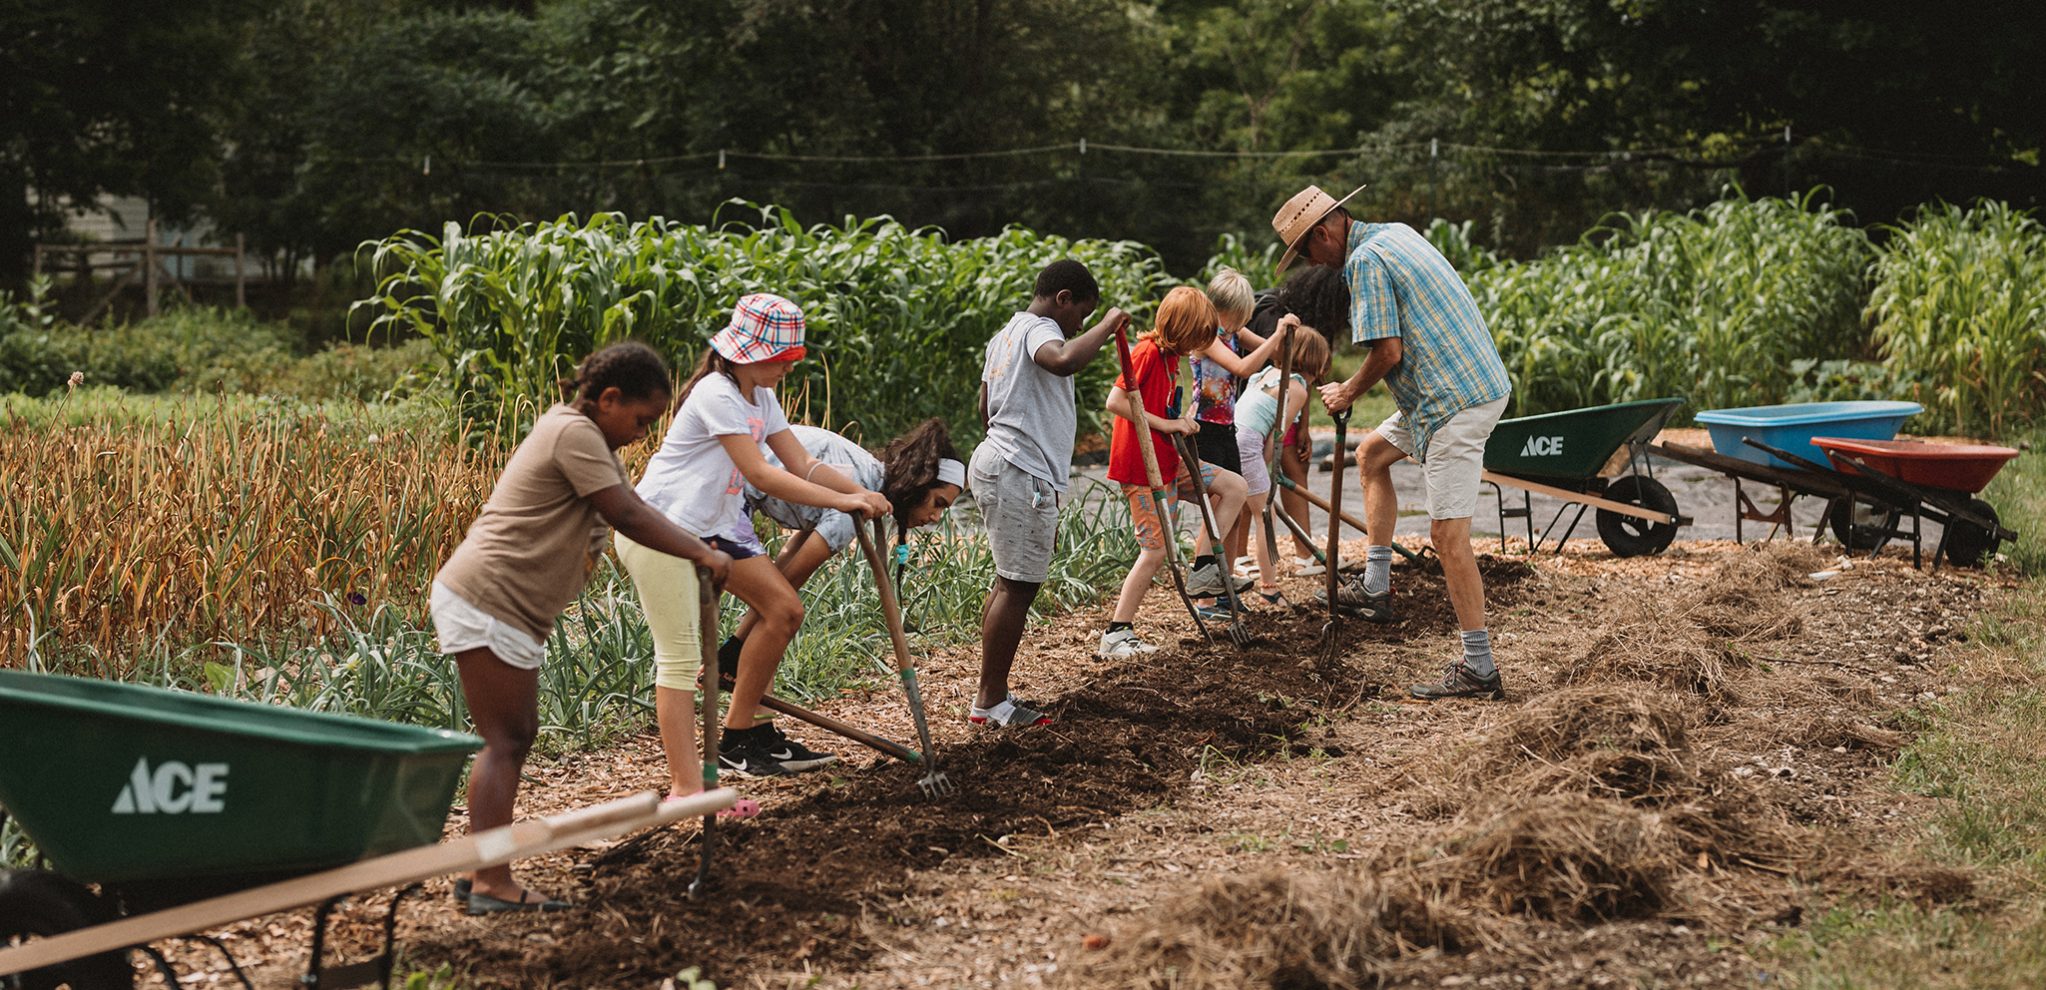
(1156, 374)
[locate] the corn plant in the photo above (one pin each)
(1711, 305)
(897, 315)
(1959, 310)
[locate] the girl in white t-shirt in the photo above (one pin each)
(726, 421)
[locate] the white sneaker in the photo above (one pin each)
(1307, 567)
(1122, 643)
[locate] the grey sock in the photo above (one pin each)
(1477, 652)
(1377, 570)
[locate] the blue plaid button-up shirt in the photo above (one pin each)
(1400, 286)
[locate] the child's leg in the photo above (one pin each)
(1267, 569)
(669, 596)
(760, 585)
(1225, 500)
(1001, 629)
(800, 558)
(1151, 537)
(504, 703)
(1238, 538)
(1292, 461)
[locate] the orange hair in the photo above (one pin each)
(1186, 321)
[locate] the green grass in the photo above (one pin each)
(2019, 495)
(1979, 756)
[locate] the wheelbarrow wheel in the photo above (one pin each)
(38, 904)
(1861, 526)
(1967, 543)
(1628, 536)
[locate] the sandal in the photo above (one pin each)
(480, 904)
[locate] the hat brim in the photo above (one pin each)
(1293, 249)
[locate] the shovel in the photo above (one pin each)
(1190, 456)
(1142, 425)
(707, 597)
(1335, 524)
(934, 784)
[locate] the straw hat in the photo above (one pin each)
(1307, 207)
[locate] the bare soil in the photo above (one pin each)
(1693, 755)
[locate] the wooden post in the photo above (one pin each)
(241, 295)
(37, 269)
(149, 266)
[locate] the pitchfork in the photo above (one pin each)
(934, 784)
(1329, 637)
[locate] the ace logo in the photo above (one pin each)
(173, 788)
(1542, 447)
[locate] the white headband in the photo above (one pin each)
(951, 472)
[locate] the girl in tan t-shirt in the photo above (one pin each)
(525, 559)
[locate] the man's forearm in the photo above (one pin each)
(1376, 366)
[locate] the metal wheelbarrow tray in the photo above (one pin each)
(1563, 455)
(190, 812)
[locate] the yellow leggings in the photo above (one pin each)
(668, 593)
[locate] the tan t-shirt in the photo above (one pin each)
(526, 557)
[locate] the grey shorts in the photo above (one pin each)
(835, 528)
(1021, 513)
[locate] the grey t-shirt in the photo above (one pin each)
(1031, 418)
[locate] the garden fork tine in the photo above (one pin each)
(934, 784)
(707, 598)
(1329, 637)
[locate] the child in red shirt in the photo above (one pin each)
(1185, 325)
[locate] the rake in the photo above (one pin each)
(1329, 637)
(1190, 456)
(1142, 426)
(934, 783)
(707, 607)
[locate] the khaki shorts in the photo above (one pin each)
(462, 626)
(1456, 457)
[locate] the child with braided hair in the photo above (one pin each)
(526, 557)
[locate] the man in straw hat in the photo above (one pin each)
(1432, 349)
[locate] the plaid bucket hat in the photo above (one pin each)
(764, 327)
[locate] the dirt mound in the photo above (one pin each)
(795, 881)
(1656, 647)
(1275, 929)
(1745, 598)
(1560, 857)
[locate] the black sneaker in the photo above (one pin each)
(1459, 681)
(747, 753)
(1351, 599)
(791, 754)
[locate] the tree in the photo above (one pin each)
(102, 97)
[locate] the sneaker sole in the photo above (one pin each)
(799, 766)
(1496, 694)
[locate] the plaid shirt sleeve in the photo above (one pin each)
(1374, 306)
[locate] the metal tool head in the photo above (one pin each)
(936, 785)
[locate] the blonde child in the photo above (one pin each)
(725, 422)
(526, 557)
(1218, 373)
(1185, 325)
(1262, 403)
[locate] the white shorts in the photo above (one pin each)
(1456, 457)
(462, 626)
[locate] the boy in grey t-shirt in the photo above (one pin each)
(1019, 472)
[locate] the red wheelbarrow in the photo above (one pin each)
(1924, 479)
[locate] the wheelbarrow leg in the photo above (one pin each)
(233, 965)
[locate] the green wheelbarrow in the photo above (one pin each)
(1565, 455)
(188, 812)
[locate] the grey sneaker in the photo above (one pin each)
(1122, 643)
(1206, 582)
(1352, 600)
(1459, 681)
